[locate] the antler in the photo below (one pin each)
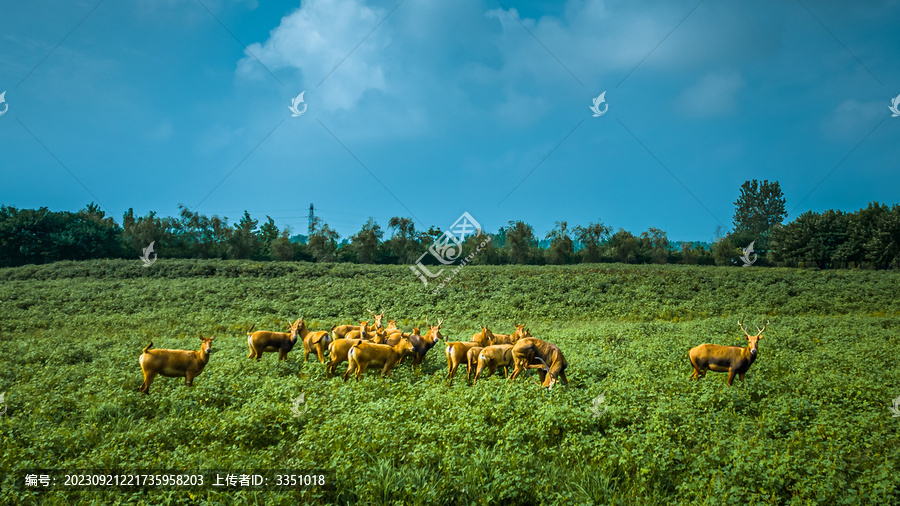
(741, 325)
(763, 329)
(440, 322)
(370, 312)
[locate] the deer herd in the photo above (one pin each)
(385, 347)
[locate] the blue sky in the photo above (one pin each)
(428, 109)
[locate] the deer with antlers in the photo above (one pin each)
(734, 360)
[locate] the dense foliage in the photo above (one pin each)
(869, 238)
(811, 423)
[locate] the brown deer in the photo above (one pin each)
(361, 332)
(174, 363)
(263, 341)
(528, 351)
(422, 344)
(364, 354)
(338, 352)
(734, 360)
(457, 353)
(472, 361)
(484, 338)
(519, 333)
(492, 357)
(313, 342)
(341, 331)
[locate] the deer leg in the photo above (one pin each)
(349, 370)
(360, 370)
(741, 376)
(188, 379)
(148, 379)
(731, 374)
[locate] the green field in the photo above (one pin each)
(811, 424)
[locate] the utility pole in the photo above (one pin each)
(312, 219)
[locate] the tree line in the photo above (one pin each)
(868, 238)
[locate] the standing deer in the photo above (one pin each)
(734, 360)
(492, 357)
(174, 363)
(519, 333)
(341, 331)
(421, 344)
(484, 338)
(313, 342)
(530, 350)
(263, 341)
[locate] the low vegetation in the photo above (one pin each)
(810, 424)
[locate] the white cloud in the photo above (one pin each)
(715, 94)
(316, 38)
(852, 119)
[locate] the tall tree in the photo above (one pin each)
(759, 207)
(404, 243)
(244, 242)
(624, 246)
(562, 248)
(322, 242)
(365, 242)
(592, 238)
(520, 241)
(657, 245)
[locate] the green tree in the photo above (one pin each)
(244, 242)
(759, 207)
(562, 248)
(520, 242)
(404, 243)
(591, 239)
(322, 242)
(656, 245)
(624, 246)
(365, 242)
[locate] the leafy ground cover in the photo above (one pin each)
(810, 425)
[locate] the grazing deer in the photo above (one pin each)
(263, 341)
(174, 363)
(314, 342)
(519, 333)
(734, 360)
(492, 357)
(341, 331)
(530, 350)
(364, 354)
